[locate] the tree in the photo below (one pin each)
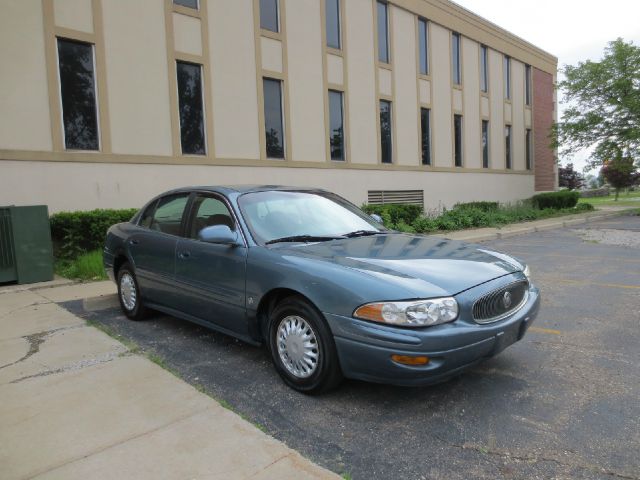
(569, 178)
(603, 99)
(620, 173)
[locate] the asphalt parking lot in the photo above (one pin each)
(562, 403)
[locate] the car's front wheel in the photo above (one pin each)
(302, 347)
(129, 293)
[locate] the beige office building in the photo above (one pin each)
(104, 103)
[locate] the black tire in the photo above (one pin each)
(127, 278)
(326, 373)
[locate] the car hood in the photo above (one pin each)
(423, 265)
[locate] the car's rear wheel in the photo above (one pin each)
(129, 293)
(302, 347)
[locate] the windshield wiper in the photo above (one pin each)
(362, 233)
(304, 238)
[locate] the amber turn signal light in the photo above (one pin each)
(407, 360)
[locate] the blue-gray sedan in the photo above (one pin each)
(327, 288)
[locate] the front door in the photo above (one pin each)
(211, 277)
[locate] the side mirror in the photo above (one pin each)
(220, 234)
(376, 217)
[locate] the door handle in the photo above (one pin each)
(134, 242)
(185, 254)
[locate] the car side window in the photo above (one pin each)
(167, 217)
(147, 215)
(209, 211)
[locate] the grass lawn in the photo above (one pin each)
(626, 199)
(85, 267)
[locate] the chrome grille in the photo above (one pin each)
(501, 302)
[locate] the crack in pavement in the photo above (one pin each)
(35, 340)
(6, 314)
(535, 458)
(75, 366)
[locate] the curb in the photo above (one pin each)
(516, 229)
(56, 282)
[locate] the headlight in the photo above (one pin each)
(416, 313)
(527, 272)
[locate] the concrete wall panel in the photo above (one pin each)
(306, 88)
(24, 98)
(233, 78)
(137, 78)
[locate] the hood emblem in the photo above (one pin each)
(506, 300)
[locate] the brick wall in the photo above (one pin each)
(543, 117)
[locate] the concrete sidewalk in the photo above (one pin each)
(77, 404)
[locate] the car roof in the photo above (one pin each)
(227, 189)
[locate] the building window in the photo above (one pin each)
(527, 84)
(187, 3)
(484, 69)
(457, 140)
(332, 13)
(269, 15)
(528, 148)
(485, 143)
(78, 95)
(423, 34)
(455, 58)
(507, 146)
(336, 125)
(425, 128)
(191, 108)
(273, 124)
(383, 33)
(507, 77)
(386, 145)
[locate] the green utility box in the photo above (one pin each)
(26, 253)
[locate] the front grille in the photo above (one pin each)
(498, 304)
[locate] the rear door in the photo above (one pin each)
(211, 277)
(153, 248)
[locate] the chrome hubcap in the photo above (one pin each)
(128, 291)
(297, 346)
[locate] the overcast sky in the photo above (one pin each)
(572, 30)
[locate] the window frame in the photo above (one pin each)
(338, 4)
(456, 58)
(202, 105)
(528, 145)
(390, 104)
(196, 8)
(282, 118)
(423, 39)
(458, 153)
(428, 162)
(528, 97)
(506, 67)
(486, 158)
(344, 136)
(387, 60)
(278, 19)
(484, 69)
(95, 94)
(508, 144)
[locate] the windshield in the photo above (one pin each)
(281, 214)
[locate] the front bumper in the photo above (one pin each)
(365, 348)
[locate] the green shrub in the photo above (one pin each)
(397, 212)
(557, 200)
(87, 266)
(585, 207)
(484, 206)
(74, 233)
